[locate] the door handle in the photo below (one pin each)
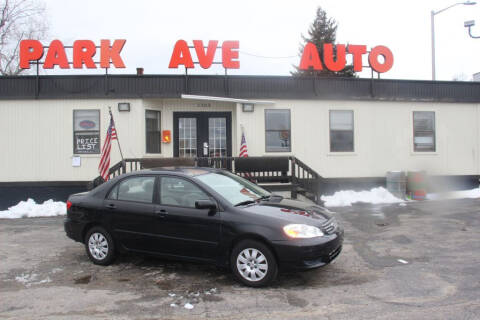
(161, 213)
(111, 206)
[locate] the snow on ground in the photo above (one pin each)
(29, 279)
(463, 194)
(381, 195)
(348, 197)
(29, 209)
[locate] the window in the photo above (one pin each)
(86, 131)
(187, 137)
(277, 130)
(180, 192)
(424, 131)
(232, 187)
(341, 131)
(139, 189)
(153, 134)
(217, 137)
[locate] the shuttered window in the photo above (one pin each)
(424, 131)
(341, 131)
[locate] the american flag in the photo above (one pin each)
(104, 165)
(243, 147)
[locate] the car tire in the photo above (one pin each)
(100, 246)
(253, 263)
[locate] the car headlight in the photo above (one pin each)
(302, 231)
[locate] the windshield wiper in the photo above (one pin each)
(267, 197)
(245, 202)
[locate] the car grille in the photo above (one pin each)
(332, 255)
(330, 226)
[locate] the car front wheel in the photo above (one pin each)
(253, 263)
(100, 246)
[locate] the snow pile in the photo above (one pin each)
(463, 194)
(29, 209)
(29, 279)
(347, 197)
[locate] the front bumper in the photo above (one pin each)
(302, 254)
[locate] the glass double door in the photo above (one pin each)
(202, 134)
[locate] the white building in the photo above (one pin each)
(347, 130)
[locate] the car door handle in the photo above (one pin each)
(111, 206)
(161, 213)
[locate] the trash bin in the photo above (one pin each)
(397, 183)
(417, 185)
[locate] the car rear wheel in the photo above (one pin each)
(100, 246)
(253, 263)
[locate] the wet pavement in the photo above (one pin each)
(415, 261)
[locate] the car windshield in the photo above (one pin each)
(233, 188)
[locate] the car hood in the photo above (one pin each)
(293, 211)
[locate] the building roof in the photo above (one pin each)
(241, 87)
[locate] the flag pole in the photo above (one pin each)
(118, 141)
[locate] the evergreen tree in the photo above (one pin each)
(323, 30)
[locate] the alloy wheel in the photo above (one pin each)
(252, 264)
(98, 246)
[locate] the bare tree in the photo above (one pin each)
(19, 19)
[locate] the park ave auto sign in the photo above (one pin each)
(83, 53)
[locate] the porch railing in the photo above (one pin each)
(275, 172)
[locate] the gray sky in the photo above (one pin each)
(273, 29)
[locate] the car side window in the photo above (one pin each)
(139, 189)
(180, 192)
(113, 195)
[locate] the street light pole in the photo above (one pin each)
(469, 24)
(432, 17)
(433, 43)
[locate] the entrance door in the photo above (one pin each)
(202, 134)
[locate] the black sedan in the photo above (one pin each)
(203, 214)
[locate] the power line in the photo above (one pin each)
(266, 57)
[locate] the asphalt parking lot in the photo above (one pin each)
(414, 261)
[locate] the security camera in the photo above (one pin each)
(469, 23)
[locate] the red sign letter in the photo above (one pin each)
(181, 55)
(30, 50)
(56, 56)
(108, 54)
(83, 52)
(357, 51)
(228, 54)
(373, 59)
(310, 58)
(205, 59)
(328, 57)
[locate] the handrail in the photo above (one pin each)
(306, 178)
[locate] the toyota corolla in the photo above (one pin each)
(206, 215)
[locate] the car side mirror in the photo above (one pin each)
(206, 204)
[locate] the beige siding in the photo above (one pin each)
(383, 137)
(37, 136)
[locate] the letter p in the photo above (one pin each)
(30, 50)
